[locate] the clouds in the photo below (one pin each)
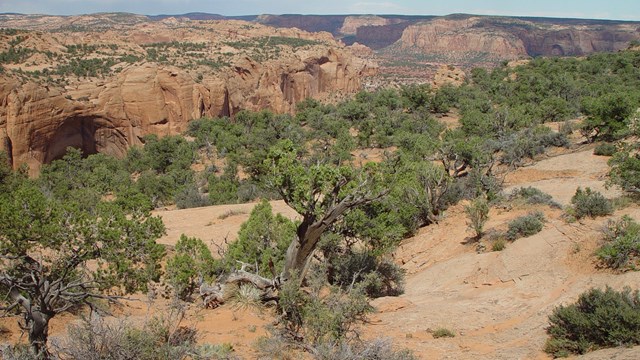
(612, 9)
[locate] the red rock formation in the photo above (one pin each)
(495, 38)
(457, 38)
(352, 23)
(448, 74)
(38, 123)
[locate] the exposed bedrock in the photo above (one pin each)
(38, 123)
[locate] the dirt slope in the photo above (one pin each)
(212, 224)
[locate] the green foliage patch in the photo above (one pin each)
(605, 149)
(525, 226)
(191, 263)
(590, 203)
(622, 244)
(262, 240)
(478, 215)
(534, 196)
(625, 169)
(598, 319)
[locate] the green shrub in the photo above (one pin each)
(230, 213)
(215, 352)
(317, 316)
(224, 189)
(192, 262)
(534, 196)
(597, 320)
(246, 296)
(378, 277)
(529, 143)
(607, 115)
(477, 214)
(590, 203)
(622, 248)
(373, 349)
(442, 333)
(498, 245)
(249, 191)
(262, 239)
(625, 169)
(189, 197)
(566, 128)
(524, 226)
(18, 352)
(605, 149)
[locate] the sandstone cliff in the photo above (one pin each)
(467, 39)
(352, 23)
(148, 87)
(539, 36)
(459, 38)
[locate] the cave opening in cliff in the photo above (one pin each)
(557, 50)
(8, 145)
(90, 135)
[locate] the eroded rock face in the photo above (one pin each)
(352, 23)
(108, 114)
(448, 75)
(458, 38)
(508, 39)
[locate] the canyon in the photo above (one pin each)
(103, 91)
(101, 82)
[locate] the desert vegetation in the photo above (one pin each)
(81, 234)
(598, 319)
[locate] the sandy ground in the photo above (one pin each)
(212, 224)
(560, 175)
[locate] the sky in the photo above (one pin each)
(593, 9)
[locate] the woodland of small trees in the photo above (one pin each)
(81, 235)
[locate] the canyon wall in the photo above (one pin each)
(506, 39)
(452, 37)
(40, 118)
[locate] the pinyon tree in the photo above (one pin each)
(55, 257)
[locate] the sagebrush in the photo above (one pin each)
(598, 319)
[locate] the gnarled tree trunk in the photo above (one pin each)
(36, 323)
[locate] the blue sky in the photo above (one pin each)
(610, 9)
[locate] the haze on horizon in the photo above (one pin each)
(588, 9)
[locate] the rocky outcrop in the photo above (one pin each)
(313, 23)
(103, 91)
(352, 23)
(459, 38)
(361, 50)
(448, 75)
(38, 123)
